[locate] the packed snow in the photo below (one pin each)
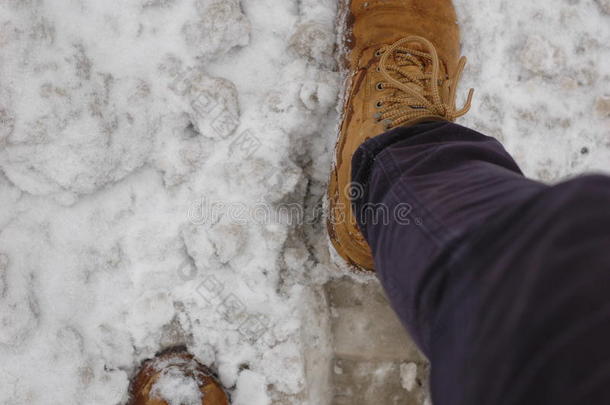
(176, 388)
(163, 165)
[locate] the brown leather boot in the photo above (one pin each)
(403, 65)
(178, 374)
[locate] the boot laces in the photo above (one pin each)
(420, 87)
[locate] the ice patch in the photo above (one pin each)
(408, 375)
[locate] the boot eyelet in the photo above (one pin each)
(379, 104)
(378, 69)
(379, 86)
(378, 53)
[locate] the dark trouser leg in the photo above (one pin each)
(503, 282)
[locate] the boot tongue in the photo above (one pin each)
(415, 70)
(411, 69)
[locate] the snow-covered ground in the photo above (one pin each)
(163, 163)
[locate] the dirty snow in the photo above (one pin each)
(162, 167)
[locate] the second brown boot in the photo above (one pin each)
(176, 377)
(403, 67)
